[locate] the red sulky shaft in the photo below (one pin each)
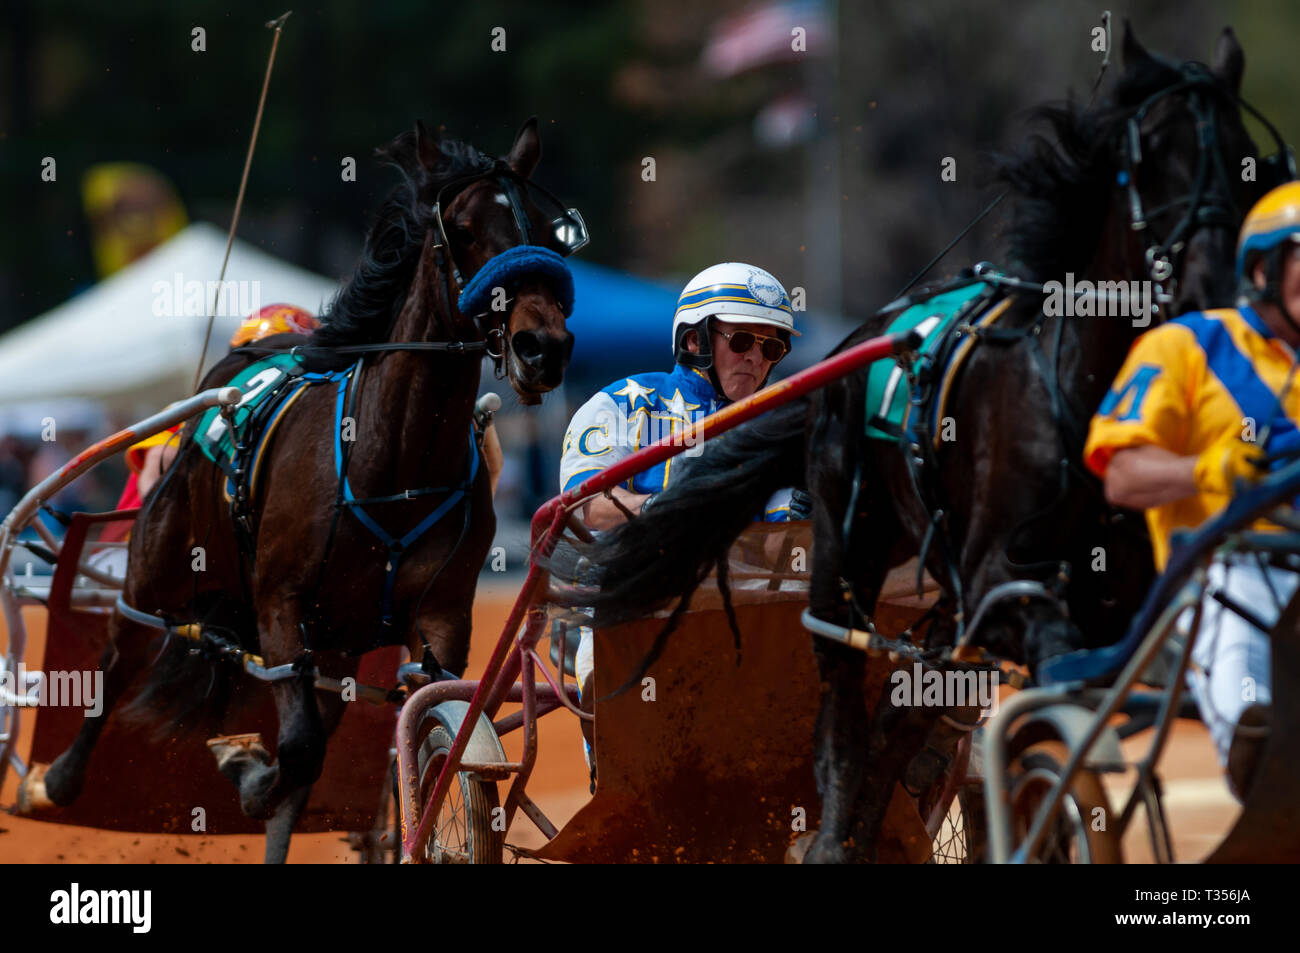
(546, 527)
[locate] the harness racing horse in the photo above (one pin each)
(1145, 186)
(371, 518)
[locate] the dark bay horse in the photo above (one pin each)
(310, 586)
(1006, 499)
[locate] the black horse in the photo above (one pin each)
(1006, 499)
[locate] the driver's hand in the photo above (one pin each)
(1220, 467)
(801, 504)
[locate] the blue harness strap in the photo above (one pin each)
(274, 407)
(396, 546)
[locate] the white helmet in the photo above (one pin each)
(732, 291)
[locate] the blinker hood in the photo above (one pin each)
(512, 267)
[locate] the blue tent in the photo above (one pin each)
(623, 324)
(618, 316)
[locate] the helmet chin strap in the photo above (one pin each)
(1272, 290)
(702, 358)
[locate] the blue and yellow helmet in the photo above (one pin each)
(1275, 219)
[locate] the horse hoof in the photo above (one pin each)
(795, 853)
(226, 748)
(32, 796)
(823, 850)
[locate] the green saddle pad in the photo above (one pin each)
(887, 390)
(257, 380)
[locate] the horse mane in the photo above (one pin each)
(1062, 183)
(365, 308)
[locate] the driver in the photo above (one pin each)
(733, 324)
(1198, 404)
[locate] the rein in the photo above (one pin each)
(443, 347)
(1209, 203)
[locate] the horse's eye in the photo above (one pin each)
(461, 235)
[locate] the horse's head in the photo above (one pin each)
(1187, 169)
(523, 305)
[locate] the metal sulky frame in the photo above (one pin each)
(1089, 700)
(470, 707)
(23, 516)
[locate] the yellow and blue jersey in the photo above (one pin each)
(635, 412)
(1185, 386)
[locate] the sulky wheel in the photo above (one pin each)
(464, 831)
(960, 838)
(953, 807)
(1072, 836)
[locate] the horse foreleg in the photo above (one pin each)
(276, 790)
(126, 654)
(897, 734)
(445, 632)
(842, 729)
(264, 781)
(839, 747)
(279, 827)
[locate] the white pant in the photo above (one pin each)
(1232, 657)
(583, 665)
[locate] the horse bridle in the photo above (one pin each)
(566, 225)
(568, 228)
(1205, 204)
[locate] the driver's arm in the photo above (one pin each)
(1147, 476)
(1135, 438)
(601, 513)
(595, 440)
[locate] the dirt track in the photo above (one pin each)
(559, 785)
(1199, 806)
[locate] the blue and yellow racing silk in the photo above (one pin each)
(635, 412)
(1188, 384)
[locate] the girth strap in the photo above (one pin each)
(396, 545)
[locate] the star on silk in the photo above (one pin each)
(632, 391)
(678, 406)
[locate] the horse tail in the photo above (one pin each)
(669, 550)
(184, 694)
(187, 688)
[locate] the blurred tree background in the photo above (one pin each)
(822, 167)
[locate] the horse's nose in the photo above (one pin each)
(546, 355)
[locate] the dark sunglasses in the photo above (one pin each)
(773, 349)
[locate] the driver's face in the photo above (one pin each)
(1290, 290)
(1289, 293)
(739, 374)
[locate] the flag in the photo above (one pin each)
(766, 34)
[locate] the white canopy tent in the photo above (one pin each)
(133, 340)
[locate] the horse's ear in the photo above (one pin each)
(527, 150)
(426, 146)
(1229, 60)
(1134, 51)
